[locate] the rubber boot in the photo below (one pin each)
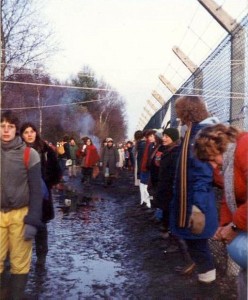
(4, 283)
(41, 246)
(17, 286)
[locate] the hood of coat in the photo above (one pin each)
(210, 121)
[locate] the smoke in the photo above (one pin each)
(87, 125)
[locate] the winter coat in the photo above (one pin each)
(140, 148)
(155, 153)
(109, 158)
(73, 151)
(51, 174)
(21, 186)
(67, 154)
(50, 169)
(166, 176)
(239, 218)
(199, 193)
(91, 156)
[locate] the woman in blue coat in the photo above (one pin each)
(193, 209)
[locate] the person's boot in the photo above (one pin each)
(4, 284)
(41, 261)
(17, 286)
(172, 246)
(189, 265)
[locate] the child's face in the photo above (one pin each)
(8, 132)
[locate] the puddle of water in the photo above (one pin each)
(91, 273)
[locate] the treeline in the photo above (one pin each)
(79, 106)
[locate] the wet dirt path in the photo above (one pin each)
(103, 246)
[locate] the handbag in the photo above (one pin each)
(68, 162)
(237, 249)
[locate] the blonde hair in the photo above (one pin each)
(213, 140)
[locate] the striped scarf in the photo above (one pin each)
(183, 178)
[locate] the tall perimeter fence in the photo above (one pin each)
(222, 80)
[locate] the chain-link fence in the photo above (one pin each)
(222, 80)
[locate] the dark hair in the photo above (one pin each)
(191, 109)
(138, 135)
(89, 139)
(150, 132)
(84, 139)
(66, 138)
(10, 117)
(39, 144)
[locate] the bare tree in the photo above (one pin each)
(25, 40)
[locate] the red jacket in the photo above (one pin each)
(92, 157)
(239, 218)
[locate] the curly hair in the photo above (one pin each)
(191, 109)
(213, 140)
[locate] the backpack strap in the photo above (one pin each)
(26, 156)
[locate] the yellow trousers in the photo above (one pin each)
(12, 241)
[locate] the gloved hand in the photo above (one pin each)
(196, 220)
(100, 164)
(29, 232)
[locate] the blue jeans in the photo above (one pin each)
(200, 253)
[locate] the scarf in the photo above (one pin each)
(228, 174)
(183, 178)
(13, 144)
(145, 157)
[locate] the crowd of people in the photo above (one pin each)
(30, 168)
(177, 171)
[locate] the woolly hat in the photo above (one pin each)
(173, 133)
(109, 140)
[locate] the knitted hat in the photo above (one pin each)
(109, 140)
(173, 133)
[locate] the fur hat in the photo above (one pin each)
(173, 133)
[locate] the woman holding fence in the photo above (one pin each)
(193, 208)
(226, 148)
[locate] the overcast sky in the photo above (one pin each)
(128, 42)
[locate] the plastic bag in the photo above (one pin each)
(68, 162)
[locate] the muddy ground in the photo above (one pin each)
(104, 246)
